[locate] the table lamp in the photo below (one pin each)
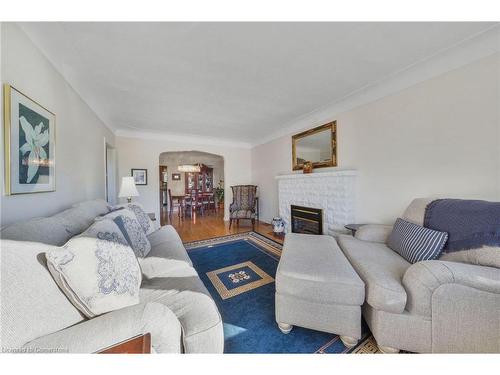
(128, 189)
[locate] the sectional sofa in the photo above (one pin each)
(434, 306)
(36, 316)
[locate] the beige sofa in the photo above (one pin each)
(36, 316)
(432, 306)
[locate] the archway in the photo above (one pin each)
(204, 183)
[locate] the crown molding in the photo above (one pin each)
(474, 48)
(181, 138)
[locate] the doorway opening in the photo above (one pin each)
(110, 174)
(191, 188)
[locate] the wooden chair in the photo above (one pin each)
(194, 203)
(172, 205)
(244, 204)
(208, 201)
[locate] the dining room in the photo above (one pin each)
(191, 187)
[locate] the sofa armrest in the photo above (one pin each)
(422, 279)
(374, 233)
(109, 329)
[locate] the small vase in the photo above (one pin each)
(278, 225)
(307, 167)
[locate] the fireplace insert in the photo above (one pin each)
(306, 220)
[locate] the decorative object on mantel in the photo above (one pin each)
(278, 225)
(317, 146)
(128, 189)
(29, 136)
(308, 167)
(140, 176)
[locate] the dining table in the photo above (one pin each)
(180, 199)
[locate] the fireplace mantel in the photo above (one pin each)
(336, 173)
(332, 191)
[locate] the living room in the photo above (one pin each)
(250, 187)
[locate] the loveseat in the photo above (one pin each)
(433, 306)
(36, 316)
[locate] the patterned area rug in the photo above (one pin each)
(238, 271)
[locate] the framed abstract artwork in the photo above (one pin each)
(140, 176)
(30, 144)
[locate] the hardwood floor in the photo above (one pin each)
(212, 225)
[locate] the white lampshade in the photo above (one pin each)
(128, 189)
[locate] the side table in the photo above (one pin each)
(353, 227)
(140, 344)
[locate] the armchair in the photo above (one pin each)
(244, 204)
(462, 301)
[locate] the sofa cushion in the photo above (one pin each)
(242, 214)
(182, 291)
(96, 275)
(166, 243)
(47, 230)
(374, 233)
(415, 212)
(32, 304)
(416, 243)
(488, 256)
(313, 268)
(94, 207)
(57, 229)
(381, 269)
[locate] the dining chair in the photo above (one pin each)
(193, 203)
(172, 205)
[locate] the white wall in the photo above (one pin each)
(144, 153)
(440, 137)
(79, 133)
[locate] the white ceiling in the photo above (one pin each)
(237, 81)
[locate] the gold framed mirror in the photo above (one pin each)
(318, 146)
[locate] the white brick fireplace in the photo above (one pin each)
(333, 192)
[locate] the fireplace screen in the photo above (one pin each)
(306, 220)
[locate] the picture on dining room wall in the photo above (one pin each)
(140, 176)
(29, 130)
(176, 176)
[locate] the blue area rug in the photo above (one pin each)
(239, 272)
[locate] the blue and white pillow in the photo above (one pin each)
(106, 230)
(131, 230)
(96, 275)
(141, 215)
(416, 243)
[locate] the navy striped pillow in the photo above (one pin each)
(416, 243)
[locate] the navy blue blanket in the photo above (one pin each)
(470, 223)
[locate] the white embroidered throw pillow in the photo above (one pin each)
(96, 275)
(105, 230)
